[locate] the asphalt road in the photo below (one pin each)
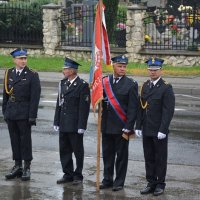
(183, 176)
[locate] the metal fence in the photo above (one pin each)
(20, 24)
(136, 1)
(77, 27)
(177, 29)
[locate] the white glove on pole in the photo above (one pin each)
(56, 128)
(81, 131)
(161, 135)
(126, 130)
(138, 133)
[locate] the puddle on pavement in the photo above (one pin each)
(187, 135)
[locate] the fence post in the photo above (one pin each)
(51, 27)
(134, 31)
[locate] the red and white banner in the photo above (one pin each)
(101, 51)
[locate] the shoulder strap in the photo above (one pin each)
(113, 100)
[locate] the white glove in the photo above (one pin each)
(138, 133)
(81, 131)
(161, 135)
(126, 130)
(56, 128)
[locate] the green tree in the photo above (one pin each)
(111, 14)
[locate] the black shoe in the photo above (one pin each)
(158, 191)
(64, 180)
(26, 176)
(147, 190)
(105, 186)
(16, 171)
(117, 188)
(77, 181)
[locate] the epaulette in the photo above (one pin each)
(166, 83)
(11, 69)
(33, 71)
(147, 81)
(134, 81)
(83, 81)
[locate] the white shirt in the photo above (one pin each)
(154, 82)
(20, 71)
(72, 80)
(116, 77)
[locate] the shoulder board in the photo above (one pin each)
(134, 81)
(63, 80)
(33, 71)
(11, 69)
(146, 82)
(165, 82)
(83, 81)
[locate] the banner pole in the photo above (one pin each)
(98, 146)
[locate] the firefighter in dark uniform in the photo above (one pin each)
(71, 115)
(116, 127)
(21, 97)
(157, 103)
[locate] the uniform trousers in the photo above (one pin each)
(115, 153)
(155, 154)
(21, 142)
(70, 143)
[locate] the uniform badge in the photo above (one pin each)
(75, 83)
(10, 79)
(25, 72)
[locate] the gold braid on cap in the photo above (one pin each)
(6, 84)
(153, 60)
(145, 104)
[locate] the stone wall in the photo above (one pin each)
(32, 51)
(135, 41)
(134, 37)
(51, 28)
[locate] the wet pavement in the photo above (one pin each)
(183, 175)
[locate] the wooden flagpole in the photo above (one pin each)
(99, 117)
(98, 146)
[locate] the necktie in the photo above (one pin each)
(18, 73)
(115, 80)
(68, 84)
(151, 85)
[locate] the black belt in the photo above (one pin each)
(13, 98)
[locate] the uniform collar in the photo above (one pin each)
(71, 81)
(117, 77)
(154, 82)
(20, 70)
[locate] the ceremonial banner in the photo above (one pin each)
(100, 51)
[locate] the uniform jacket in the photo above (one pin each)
(73, 112)
(126, 92)
(23, 102)
(157, 115)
